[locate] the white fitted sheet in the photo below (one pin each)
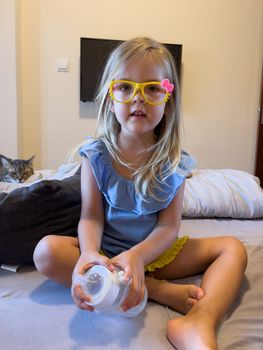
(37, 313)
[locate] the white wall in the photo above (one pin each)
(8, 90)
(222, 59)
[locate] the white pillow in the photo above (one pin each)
(223, 193)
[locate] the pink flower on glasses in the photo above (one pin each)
(167, 85)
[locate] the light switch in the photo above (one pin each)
(62, 64)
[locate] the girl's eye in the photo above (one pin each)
(125, 87)
(153, 89)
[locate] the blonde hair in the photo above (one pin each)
(167, 149)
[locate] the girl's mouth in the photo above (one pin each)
(138, 114)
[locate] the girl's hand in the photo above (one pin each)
(86, 261)
(133, 268)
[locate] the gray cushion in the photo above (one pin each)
(28, 214)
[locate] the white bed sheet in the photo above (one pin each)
(37, 313)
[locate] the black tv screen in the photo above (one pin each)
(93, 55)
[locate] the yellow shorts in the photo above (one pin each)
(166, 257)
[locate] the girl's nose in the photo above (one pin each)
(138, 97)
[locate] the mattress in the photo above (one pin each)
(38, 313)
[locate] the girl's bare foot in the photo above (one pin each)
(193, 331)
(177, 296)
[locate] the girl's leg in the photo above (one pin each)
(56, 257)
(223, 261)
(180, 297)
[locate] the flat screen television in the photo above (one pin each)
(93, 55)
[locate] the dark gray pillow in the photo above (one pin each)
(28, 214)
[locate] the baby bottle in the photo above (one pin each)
(107, 291)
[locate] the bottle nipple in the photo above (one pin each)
(94, 283)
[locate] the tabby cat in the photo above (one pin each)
(15, 170)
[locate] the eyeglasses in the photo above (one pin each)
(154, 92)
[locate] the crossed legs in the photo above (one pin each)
(222, 260)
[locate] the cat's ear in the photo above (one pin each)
(5, 161)
(30, 160)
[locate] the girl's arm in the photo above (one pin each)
(165, 232)
(90, 226)
(90, 231)
(161, 238)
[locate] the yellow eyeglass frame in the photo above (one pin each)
(138, 87)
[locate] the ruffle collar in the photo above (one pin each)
(120, 192)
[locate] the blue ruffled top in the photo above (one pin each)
(128, 218)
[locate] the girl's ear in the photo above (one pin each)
(112, 108)
(109, 100)
(166, 110)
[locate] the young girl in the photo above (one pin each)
(132, 184)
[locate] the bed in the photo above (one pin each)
(37, 313)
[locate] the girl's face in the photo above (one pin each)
(139, 117)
